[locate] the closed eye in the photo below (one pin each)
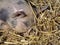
(20, 13)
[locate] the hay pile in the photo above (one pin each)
(45, 31)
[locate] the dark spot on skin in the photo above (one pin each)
(26, 23)
(1, 0)
(20, 2)
(14, 23)
(3, 14)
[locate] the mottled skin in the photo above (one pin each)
(17, 13)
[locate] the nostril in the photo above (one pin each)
(20, 13)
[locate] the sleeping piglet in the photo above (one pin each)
(17, 14)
